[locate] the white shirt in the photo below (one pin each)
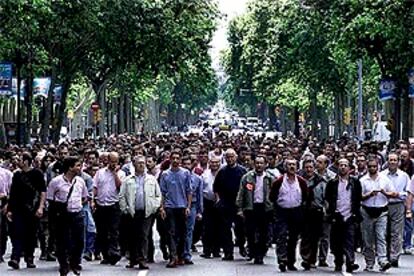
(343, 202)
(6, 177)
(208, 179)
(258, 189)
(400, 181)
(290, 194)
(380, 183)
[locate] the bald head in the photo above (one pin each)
(231, 157)
(113, 160)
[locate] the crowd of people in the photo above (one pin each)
(100, 200)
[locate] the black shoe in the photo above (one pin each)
(1, 260)
(242, 251)
(394, 263)
(385, 267)
(216, 255)
(165, 255)
(130, 265)
(351, 268)
(76, 271)
(105, 262)
(50, 258)
(143, 266)
(98, 257)
(43, 257)
(227, 258)
(87, 257)
(194, 249)
(188, 262)
(172, 264)
(292, 268)
(151, 261)
(30, 265)
(114, 260)
(13, 264)
(258, 261)
(312, 266)
(323, 264)
(205, 256)
(63, 272)
(282, 267)
(338, 268)
(306, 266)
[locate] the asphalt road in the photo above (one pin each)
(213, 267)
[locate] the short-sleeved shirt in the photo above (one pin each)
(380, 183)
(107, 193)
(58, 190)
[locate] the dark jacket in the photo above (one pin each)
(274, 191)
(331, 196)
(245, 197)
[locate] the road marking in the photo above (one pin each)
(143, 273)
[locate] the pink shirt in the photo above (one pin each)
(107, 193)
(58, 190)
(6, 177)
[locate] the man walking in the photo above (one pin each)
(254, 205)
(66, 194)
(25, 208)
(289, 193)
(343, 195)
(175, 185)
(376, 189)
(107, 183)
(140, 198)
(396, 207)
(226, 186)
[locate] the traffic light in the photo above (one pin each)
(347, 116)
(97, 116)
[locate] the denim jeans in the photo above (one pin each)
(90, 231)
(189, 233)
(408, 232)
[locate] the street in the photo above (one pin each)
(202, 267)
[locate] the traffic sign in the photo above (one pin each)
(95, 106)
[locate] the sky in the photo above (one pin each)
(230, 9)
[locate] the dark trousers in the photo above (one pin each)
(70, 234)
(138, 240)
(228, 217)
(163, 233)
(211, 230)
(3, 234)
(343, 240)
(257, 221)
(312, 233)
(47, 234)
(176, 225)
(288, 227)
(124, 233)
(107, 220)
(151, 246)
(23, 229)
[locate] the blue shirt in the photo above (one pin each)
(139, 196)
(197, 186)
(175, 186)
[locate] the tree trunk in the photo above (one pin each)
(60, 116)
(44, 131)
(314, 111)
(121, 112)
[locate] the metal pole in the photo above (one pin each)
(359, 129)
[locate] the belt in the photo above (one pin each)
(395, 202)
